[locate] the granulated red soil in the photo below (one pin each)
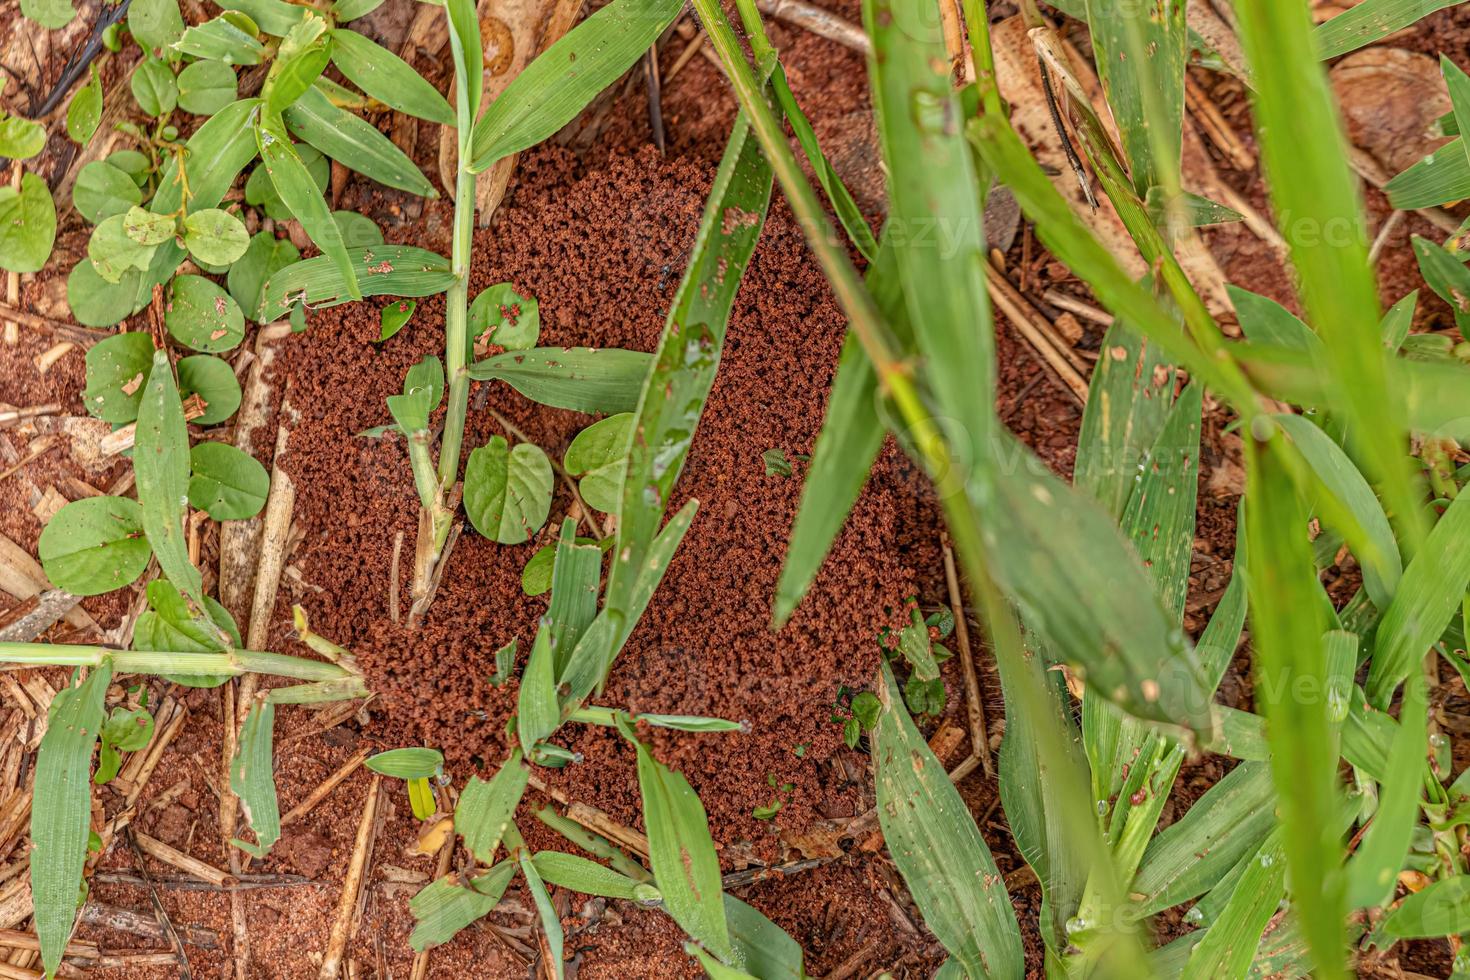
(598, 228)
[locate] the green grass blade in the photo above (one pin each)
(1304, 153)
(761, 946)
(1442, 177)
(161, 462)
(485, 809)
(595, 380)
(1287, 637)
(675, 389)
(444, 907)
(272, 16)
(551, 90)
(253, 780)
(550, 921)
(1221, 636)
(1371, 21)
(1458, 84)
(1128, 399)
(382, 270)
(538, 713)
(591, 878)
(388, 78)
(1427, 599)
(934, 841)
(304, 199)
(61, 811)
(1374, 867)
(1265, 321)
(1442, 909)
(465, 47)
(1230, 945)
(1398, 320)
(574, 579)
(681, 851)
(354, 142)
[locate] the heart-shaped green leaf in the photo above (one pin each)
(264, 257)
(206, 87)
(500, 315)
(228, 483)
(507, 492)
(113, 252)
(154, 88)
(599, 456)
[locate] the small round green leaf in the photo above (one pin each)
(50, 14)
(264, 257)
(394, 316)
(358, 230)
(507, 492)
(206, 87)
(511, 320)
(202, 316)
(94, 545)
(27, 225)
(113, 251)
(85, 110)
(147, 228)
(212, 380)
(598, 456)
(415, 763)
(20, 139)
(117, 371)
(155, 88)
(103, 190)
(215, 237)
(231, 485)
(132, 163)
(95, 302)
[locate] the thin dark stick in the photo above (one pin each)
(1056, 120)
(188, 883)
(77, 64)
(159, 911)
(655, 98)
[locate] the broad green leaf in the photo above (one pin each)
(303, 55)
(275, 17)
(713, 968)
(590, 878)
(500, 315)
(584, 379)
(1458, 84)
(1447, 276)
(423, 389)
(1428, 596)
(1373, 869)
(358, 230)
(1442, 177)
(265, 256)
(202, 316)
(415, 763)
(61, 811)
(1442, 909)
(1287, 630)
(217, 152)
(215, 237)
(111, 250)
(299, 191)
(117, 369)
(156, 24)
(485, 809)
(678, 383)
(597, 456)
(206, 87)
(1371, 21)
(1398, 320)
(681, 851)
(352, 9)
(171, 623)
(147, 228)
(1230, 944)
(94, 545)
(384, 270)
(568, 75)
(395, 316)
(761, 946)
(445, 906)
(934, 841)
(252, 780)
(507, 491)
(154, 88)
(102, 190)
(388, 78)
(550, 921)
(466, 51)
(1265, 321)
(347, 138)
(20, 139)
(27, 225)
(1128, 399)
(50, 14)
(537, 711)
(228, 483)
(161, 464)
(261, 192)
(212, 380)
(84, 112)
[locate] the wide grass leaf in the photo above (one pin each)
(575, 574)
(595, 380)
(591, 878)
(381, 270)
(354, 142)
(446, 906)
(410, 763)
(296, 187)
(1374, 867)
(1428, 596)
(567, 76)
(61, 811)
(507, 491)
(936, 845)
(537, 710)
(1442, 909)
(1230, 944)
(254, 782)
(1372, 21)
(550, 921)
(681, 851)
(762, 947)
(161, 462)
(1128, 399)
(485, 809)
(388, 78)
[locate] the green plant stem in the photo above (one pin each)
(977, 18)
(421, 459)
(173, 662)
(456, 322)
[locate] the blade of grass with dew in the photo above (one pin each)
(688, 356)
(681, 851)
(1369, 22)
(61, 810)
(298, 189)
(1398, 320)
(485, 808)
(573, 606)
(1374, 867)
(594, 380)
(934, 841)
(1230, 944)
(161, 464)
(386, 77)
(254, 782)
(1304, 155)
(444, 907)
(550, 921)
(1287, 637)
(1427, 598)
(560, 83)
(381, 270)
(342, 136)
(1441, 177)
